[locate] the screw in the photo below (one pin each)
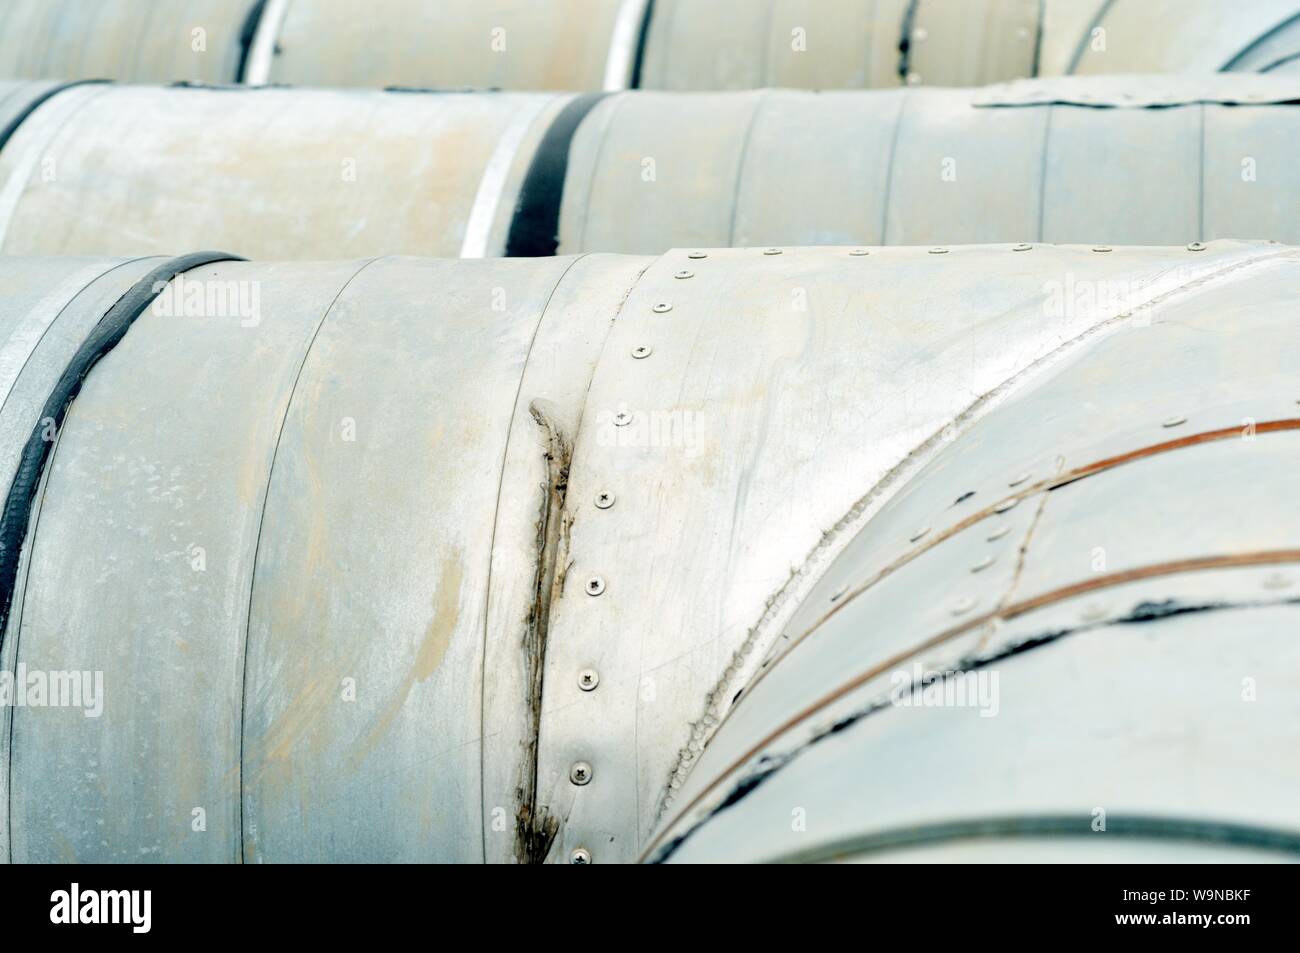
(839, 593)
(1021, 247)
(983, 564)
(580, 773)
(771, 251)
(998, 533)
(588, 679)
(580, 855)
(1101, 248)
(938, 251)
(698, 254)
(684, 274)
(595, 586)
(642, 351)
(1174, 421)
(1005, 505)
(622, 418)
(918, 534)
(604, 500)
(859, 252)
(1196, 246)
(662, 307)
(1020, 479)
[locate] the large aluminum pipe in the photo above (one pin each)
(656, 44)
(413, 559)
(321, 174)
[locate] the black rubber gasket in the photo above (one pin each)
(637, 63)
(534, 228)
(7, 132)
(106, 334)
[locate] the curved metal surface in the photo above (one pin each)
(282, 174)
(649, 171)
(386, 528)
(1057, 528)
(483, 44)
(196, 41)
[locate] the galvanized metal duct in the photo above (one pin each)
(273, 173)
(1063, 160)
(1101, 667)
(201, 41)
(287, 577)
(326, 174)
(656, 44)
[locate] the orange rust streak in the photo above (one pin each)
(1043, 486)
(1262, 558)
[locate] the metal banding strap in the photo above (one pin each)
(246, 35)
(534, 229)
(110, 329)
(492, 183)
(627, 45)
(8, 131)
(255, 65)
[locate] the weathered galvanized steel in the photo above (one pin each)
(199, 41)
(622, 44)
(1039, 161)
(505, 627)
(277, 173)
(271, 173)
(1072, 620)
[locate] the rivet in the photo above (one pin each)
(604, 500)
(918, 534)
(771, 251)
(1277, 581)
(839, 593)
(580, 855)
(622, 418)
(1174, 421)
(663, 307)
(1006, 505)
(983, 564)
(588, 679)
(698, 254)
(595, 586)
(859, 252)
(642, 351)
(1101, 248)
(1196, 246)
(684, 274)
(998, 533)
(938, 251)
(580, 773)
(1020, 479)
(1092, 612)
(1021, 247)
(962, 606)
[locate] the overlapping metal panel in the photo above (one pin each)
(346, 631)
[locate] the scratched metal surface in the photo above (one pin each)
(267, 173)
(651, 171)
(1001, 526)
(136, 40)
(560, 44)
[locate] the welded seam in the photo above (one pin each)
(889, 166)
(662, 849)
(529, 775)
(742, 164)
(257, 543)
(1136, 827)
(870, 503)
